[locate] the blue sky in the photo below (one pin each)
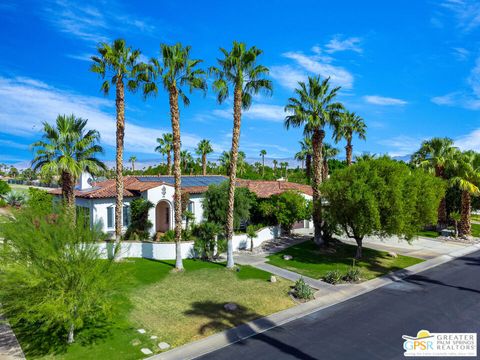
(411, 69)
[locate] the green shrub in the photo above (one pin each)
(4, 187)
(139, 228)
(333, 277)
(15, 198)
(208, 244)
(3, 203)
(353, 274)
(302, 290)
(169, 236)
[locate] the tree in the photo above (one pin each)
(300, 156)
(348, 125)
(165, 147)
(251, 234)
(215, 204)
(204, 148)
(313, 108)
(275, 163)
(140, 225)
(306, 149)
(132, 160)
(239, 69)
(207, 243)
(382, 197)
(68, 149)
(435, 155)
(186, 159)
(286, 208)
(117, 64)
(173, 71)
(262, 154)
(226, 162)
(467, 178)
(328, 152)
(4, 187)
(52, 277)
(456, 218)
(13, 172)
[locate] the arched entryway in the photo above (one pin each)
(162, 217)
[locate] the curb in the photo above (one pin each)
(222, 339)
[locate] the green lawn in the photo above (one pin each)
(428, 233)
(476, 217)
(176, 307)
(476, 230)
(310, 261)
(20, 188)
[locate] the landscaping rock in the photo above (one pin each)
(142, 331)
(230, 307)
(163, 346)
(447, 232)
(146, 351)
(287, 257)
(153, 337)
(392, 254)
(273, 279)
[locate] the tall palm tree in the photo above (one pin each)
(132, 160)
(173, 71)
(225, 161)
(262, 154)
(435, 155)
(68, 149)
(348, 125)
(118, 64)
(306, 148)
(186, 159)
(314, 107)
(328, 152)
(204, 148)
(238, 69)
(275, 163)
(300, 156)
(165, 147)
(467, 178)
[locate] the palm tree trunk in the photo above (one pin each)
(442, 207)
(263, 166)
(68, 193)
(175, 116)
(325, 170)
(465, 227)
(204, 164)
(120, 105)
(308, 166)
(317, 142)
(348, 151)
(237, 119)
(169, 163)
(133, 165)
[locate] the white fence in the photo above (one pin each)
(166, 250)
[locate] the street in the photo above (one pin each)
(443, 299)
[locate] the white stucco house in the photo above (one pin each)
(98, 198)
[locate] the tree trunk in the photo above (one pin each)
(358, 254)
(465, 227)
(308, 166)
(68, 193)
(169, 163)
(133, 165)
(237, 120)
(325, 170)
(317, 142)
(442, 214)
(204, 164)
(175, 116)
(348, 150)
(120, 105)
(71, 338)
(263, 166)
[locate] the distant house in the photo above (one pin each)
(98, 198)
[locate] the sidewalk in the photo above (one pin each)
(9, 347)
(436, 252)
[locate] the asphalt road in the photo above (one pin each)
(443, 299)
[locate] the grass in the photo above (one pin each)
(476, 230)
(310, 261)
(178, 307)
(20, 188)
(476, 217)
(428, 233)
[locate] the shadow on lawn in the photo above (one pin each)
(237, 323)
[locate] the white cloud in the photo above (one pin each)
(384, 101)
(470, 141)
(288, 76)
(265, 112)
(339, 44)
(402, 145)
(474, 78)
(466, 12)
(26, 103)
(461, 53)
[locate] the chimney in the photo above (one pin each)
(85, 181)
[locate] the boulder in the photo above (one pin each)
(230, 307)
(392, 254)
(287, 257)
(153, 337)
(273, 279)
(146, 351)
(142, 331)
(447, 233)
(163, 346)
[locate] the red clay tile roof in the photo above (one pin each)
(265, 189)
(133, 187)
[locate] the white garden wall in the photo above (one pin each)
(166, 250)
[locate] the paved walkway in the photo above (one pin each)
(9, 347)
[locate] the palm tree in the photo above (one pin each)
(435, 155)
(306, 148)
(132, 160)
(117, 64)
(67, 149)
(165, 147)
(239, 69)
(366, 156)
(314, 108)
(186, 159)
(328, 152)
(300, 156)
(262, 154)
(348, 125)
(225, 161)
(275, 163)
(204, 148)
(467, 178)
(175, 70)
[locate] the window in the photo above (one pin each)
(110, 216)
(191, 207)
(126, 215)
